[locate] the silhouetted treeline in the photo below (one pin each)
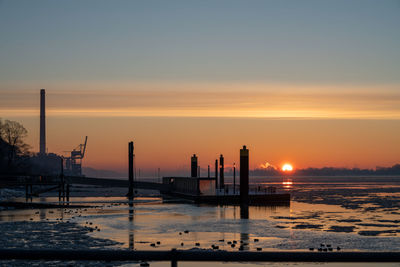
(15, 157)
(14, 153)
(329, 171)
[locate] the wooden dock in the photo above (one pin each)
(254, 200)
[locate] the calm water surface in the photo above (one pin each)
(362, 215)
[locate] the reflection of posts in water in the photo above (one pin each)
(131, 231)
(28, 192)
(244, 231)
(68, 194)
(42, 212)
(244, 211)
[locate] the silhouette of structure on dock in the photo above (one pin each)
(206, 189)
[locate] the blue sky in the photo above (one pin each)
(163, 72)
(323, 42)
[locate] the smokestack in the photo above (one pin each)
(42, 146)
(244, 175)
(194, 166)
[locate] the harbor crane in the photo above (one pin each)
(73, 163)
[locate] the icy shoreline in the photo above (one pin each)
(50, 235)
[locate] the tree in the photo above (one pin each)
(13, 134)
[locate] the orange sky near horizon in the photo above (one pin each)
(168, 142)
(306, 125)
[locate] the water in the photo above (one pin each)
(355, 214)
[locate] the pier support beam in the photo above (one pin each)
(131, 155)
(216, 174)
(42, 145)
(234, 178)
(194, 166)
(221, 172)
(244, 175)
(61, 190)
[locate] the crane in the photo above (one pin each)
(74, 162)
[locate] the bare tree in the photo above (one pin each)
(13, 134)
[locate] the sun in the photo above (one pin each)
(287, 167)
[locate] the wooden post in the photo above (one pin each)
(216, 174)
(244, 175)
(221, 172)
(234, 178)
(131, 155)
(61, 191)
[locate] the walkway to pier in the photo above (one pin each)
(109, 182)
(118, 183)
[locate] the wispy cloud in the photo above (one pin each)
(207, 100)
(267, 165)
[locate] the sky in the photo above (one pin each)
(313, 83)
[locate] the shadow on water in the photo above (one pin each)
(244, 235)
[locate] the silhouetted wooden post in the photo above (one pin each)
(208, 171)
(194, 166)
(221, 172)
(244, 175)
(216, 174)
(61, 192)
(130, 193)
(174, 262)
(234, 178)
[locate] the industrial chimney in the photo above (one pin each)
(42, 122)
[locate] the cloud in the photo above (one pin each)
(267, 165)
(261, 100)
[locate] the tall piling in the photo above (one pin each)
(221, 172)
(244, 175)
(194, 166)
(234, 178)
(42, 145)
(61, 191)
(131, 155)
(216, 174)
